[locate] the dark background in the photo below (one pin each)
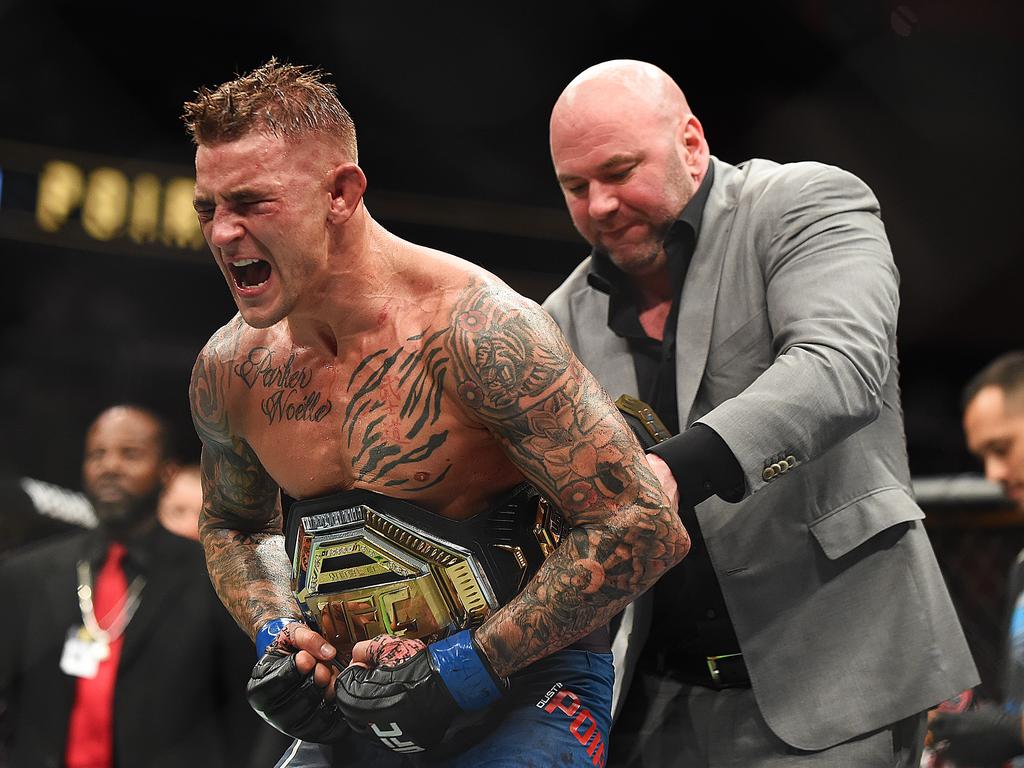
(451, 101)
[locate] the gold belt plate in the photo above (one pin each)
(358, 573)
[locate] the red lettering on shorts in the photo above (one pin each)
(559, 699)
(577, 724)
(569, 704)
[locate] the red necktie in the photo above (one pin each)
(91, 728)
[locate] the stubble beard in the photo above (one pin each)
(642, 258)
(128, 514)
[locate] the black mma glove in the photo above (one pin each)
(287, 699)
(981, 737)
(410, 697)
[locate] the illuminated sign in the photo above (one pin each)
(82, 201)
(144, 208)
(77, 200)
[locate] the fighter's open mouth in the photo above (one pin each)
(249, 273)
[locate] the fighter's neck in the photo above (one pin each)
(368, 281)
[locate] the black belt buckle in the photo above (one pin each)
(728, 671)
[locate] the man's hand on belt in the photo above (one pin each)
(405, 694)
(291, 684)
(981, 737)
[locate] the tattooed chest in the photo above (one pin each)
(384, 421)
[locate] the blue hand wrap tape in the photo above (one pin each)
(463, 671)
(268, 632)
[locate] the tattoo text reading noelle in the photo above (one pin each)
(287, 402)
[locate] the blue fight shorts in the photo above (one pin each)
(557, 712)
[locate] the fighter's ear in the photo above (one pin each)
(348, 183)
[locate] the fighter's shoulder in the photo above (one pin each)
(480, 291)
(232, 341)
(468, 287)
(211, 393)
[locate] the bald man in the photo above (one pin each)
(754, 307)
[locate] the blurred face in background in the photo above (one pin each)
(124, 469)
(181, 503)
(994, 427)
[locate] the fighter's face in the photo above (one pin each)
(123, 469)
(263, 205)
(994, 428)
(625, 181)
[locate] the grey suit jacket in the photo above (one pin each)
(786, 347)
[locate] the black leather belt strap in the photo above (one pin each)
(717, 672)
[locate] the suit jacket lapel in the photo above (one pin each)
(700, 291)
(604, 353)
(164, 580)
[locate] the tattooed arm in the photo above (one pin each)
(240, 524)
(515, 373)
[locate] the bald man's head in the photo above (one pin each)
(636, 85)
(629, 155)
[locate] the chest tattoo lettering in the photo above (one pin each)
(289, 399)
(395, 402)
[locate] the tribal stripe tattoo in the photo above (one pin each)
(515, 372)
(410, 382)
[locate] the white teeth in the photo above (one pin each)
(245, 262)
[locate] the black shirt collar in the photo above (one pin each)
(140, 551)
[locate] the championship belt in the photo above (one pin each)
(364, 564)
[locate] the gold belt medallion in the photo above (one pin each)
(358, 573)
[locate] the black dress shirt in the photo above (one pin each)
(690, 621)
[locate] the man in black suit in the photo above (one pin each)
(121, 653)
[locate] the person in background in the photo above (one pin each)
(119, 653)
(754, 307)
(180, 504)
(993, 408)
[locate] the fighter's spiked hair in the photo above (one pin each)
(283, 100)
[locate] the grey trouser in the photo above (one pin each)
(693, 727)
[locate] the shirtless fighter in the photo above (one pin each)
(372, 367)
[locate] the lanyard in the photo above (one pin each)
(124, 615)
